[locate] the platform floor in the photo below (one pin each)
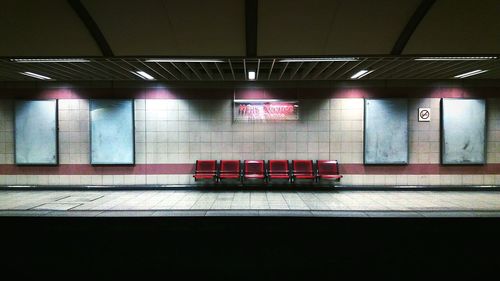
(251, 203)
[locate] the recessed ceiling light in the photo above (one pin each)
(361, 74)
(251, 75)
(34, 75)
(317, 59)
(143, 75)
(470, 73)
(454, 58)
(183, 60)
(49, 60)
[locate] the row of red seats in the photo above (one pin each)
(275, 170)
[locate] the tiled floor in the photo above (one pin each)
(250, 203)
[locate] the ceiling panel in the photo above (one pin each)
(458, 27)
(43, 28)
(216, 28)
(236, 69)
(368, 27)
(326, 27)
(174, 28)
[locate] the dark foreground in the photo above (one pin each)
(251, 248)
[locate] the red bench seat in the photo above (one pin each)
(328, 169)
(254, 169)
(205, 170)
(230, 169)
(303, 169)
(278, 169)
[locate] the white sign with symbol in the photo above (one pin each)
(424, 114)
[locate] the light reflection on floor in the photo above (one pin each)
(250, 203)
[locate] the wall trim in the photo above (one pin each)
(252, 93)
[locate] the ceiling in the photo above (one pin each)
(236, 69)
(116, 36)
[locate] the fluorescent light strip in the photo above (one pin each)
(454, 58)
(361, 74)
(471, 73)
(48, 60)
(34, 75)
(251, 75)
(317, 59)
(143, 75)
(183, 60)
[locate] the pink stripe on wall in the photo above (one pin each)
(418, 169)
(188, 168)
(132, 93)
(85, 169)
(252, 93)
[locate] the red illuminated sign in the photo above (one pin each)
(265, 110)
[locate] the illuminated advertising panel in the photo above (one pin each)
(265, 110)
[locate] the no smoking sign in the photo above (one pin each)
(424, 114)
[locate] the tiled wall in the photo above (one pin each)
(73, 131)
(424, 136)
(346, 130)
(493, 134)
(182, 131)
(6, 131)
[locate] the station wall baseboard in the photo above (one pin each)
(228, 187)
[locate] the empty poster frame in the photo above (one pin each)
(386, 131)
(112, 140)
(463, 131)
(35, 132)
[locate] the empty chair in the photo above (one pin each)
(303, 169)
(254, 169)
(328, 169)
(205, 170)
(230, 169)
(278, 169)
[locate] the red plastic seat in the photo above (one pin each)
(303, 169)
(254, 169)
(230, 169)
(205, 169)
(278, 169)
(328, 169)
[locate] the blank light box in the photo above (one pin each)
(386, 131)
(36, 132)
(112, 132)
(463, 131)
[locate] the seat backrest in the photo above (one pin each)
(255, 167)
(328, 167)
(206, 166)
(303, 167)
(278, 166)
(230, 166)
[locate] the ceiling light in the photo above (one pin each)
(471, 73)
(34, 75)
(361, 74)
(317, 59)
(49, 60)
(183, 60)
(454, 58)
(251, 75)
(143, 75)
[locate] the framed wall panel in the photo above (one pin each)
(112, 132)
(36, 132)
(463, 131)
(386, 131)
